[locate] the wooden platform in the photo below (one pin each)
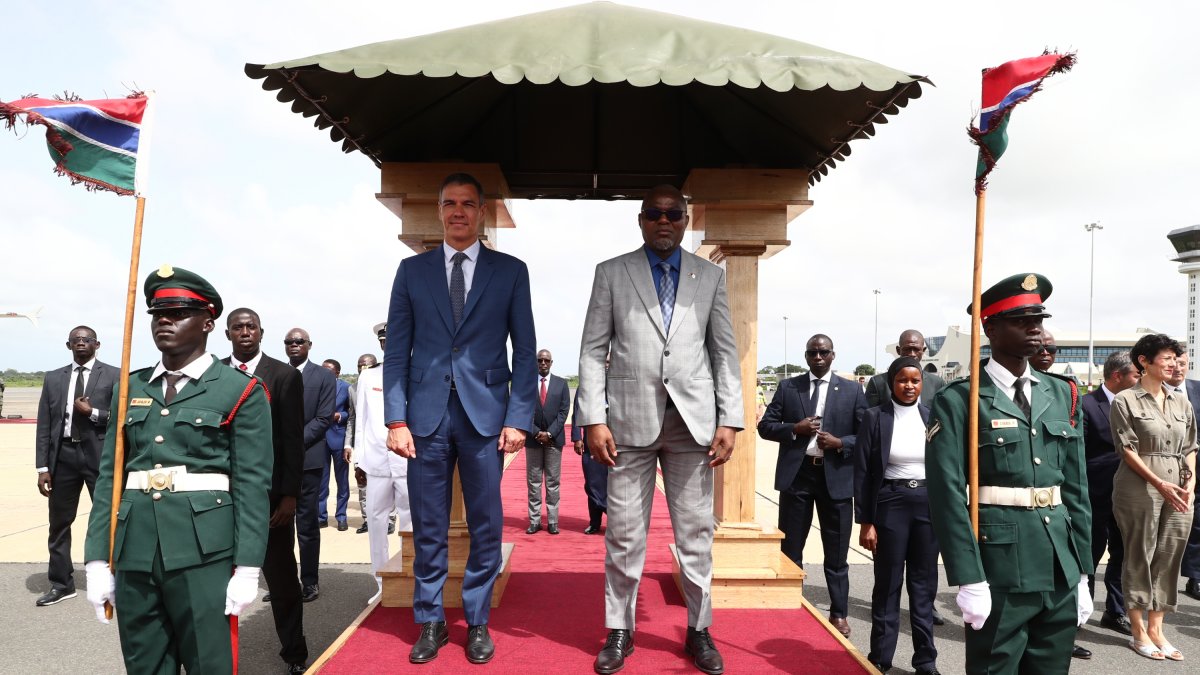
(398, 580)
(749, 571)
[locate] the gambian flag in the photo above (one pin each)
(92, 142)
(1003, 88)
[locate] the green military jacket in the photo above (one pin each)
(1018, 549)
(189, 528)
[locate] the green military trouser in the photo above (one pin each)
(1026, 633)
(168, 619)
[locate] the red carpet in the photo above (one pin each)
(551, 619)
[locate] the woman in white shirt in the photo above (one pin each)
(892, 508)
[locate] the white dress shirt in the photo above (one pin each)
(1005, 381)
(302, 366)
(906, 459)
(812, 450)
(468, 265)
(1109, 395)
(192, 371)
(72, 394)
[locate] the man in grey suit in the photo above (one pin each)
(544, 446)
(911, 343)
(674, 397)
(71, 423)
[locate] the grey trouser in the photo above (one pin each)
(539, 461)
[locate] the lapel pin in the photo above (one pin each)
(691, 275)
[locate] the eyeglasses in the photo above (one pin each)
(545, 361)
(84, 340)
(1049, 349)
(295, 341)
(673, 215)
(818, 352)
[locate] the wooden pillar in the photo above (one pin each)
(411, 192)
(742, 216)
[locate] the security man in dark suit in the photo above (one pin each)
(814, 418)
(191, 528)
(286, 388)
(911, 343)
(1190, 565)
(544, 446)
(1102, 462)
(72, 417)
(1023, 582)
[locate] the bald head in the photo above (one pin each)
(297, 343)
(911, 344)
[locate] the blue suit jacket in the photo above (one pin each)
(873, 448)
(335, 435)
(844, 405)
(424, 350)
(319, 393)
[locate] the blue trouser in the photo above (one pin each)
(1106, 535)
(796, 505)
(341, 474)
(430, 479)
(595, 485)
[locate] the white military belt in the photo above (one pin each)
(1027, 497)
(175, 479)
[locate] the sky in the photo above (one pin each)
(263, 204)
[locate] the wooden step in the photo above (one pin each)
(398, 580)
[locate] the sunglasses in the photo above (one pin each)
(295, 341)
(1049, 349)
(84, 340)
(545, 361)
(818, 352)
(673, 215)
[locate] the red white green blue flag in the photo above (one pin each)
(97, 143)
(1004, 87)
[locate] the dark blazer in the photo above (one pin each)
(55, 389)
(877, 388)
(873, 449)
(844, 405)
(553, 417)
(335, 435)
(286, 390)
(320, 388)
(1097, 435)
(1193, 392)
(425, 349)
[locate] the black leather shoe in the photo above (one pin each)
(363, 528)
(324, 523)
(480, 648)
(930, 671)
(1192, 589)
(310, 593)
(267, 597)
(343, 526)
(612, 657)
(54, 596)
(1081, 653)
(937, 618)
(295, 668)
(1116, 622)
(700, 647)
(880, 667)
(532, 529)
(434, 636)
(552, 528)
(592, 529)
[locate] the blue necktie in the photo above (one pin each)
(666, 295)
(458, 287)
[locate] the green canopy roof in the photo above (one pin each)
(594, 100)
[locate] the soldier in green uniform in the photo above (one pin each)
(1023, 581)
(192, 520)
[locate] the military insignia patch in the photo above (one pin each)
(932, 430)
(140, 402)
(1030, 283)
(166, 271)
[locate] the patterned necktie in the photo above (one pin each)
(458, 287)
(666, 295)
(172, 380)
(1019, 396)
(242, 367)
(543, 391)
(76, 418)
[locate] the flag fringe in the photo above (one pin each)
(59, 145)
(1064, 63)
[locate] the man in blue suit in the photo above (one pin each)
(319, 393)
(335, 444)
(814, 418)
(451, 397)
(1190, 568)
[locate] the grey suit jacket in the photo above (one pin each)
(696, 365)
(55, 390)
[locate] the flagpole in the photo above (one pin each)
(973, 397)
(135, 256)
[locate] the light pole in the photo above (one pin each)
(785, 361)
(875, 344)
(1091, 229)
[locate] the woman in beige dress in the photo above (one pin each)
(1154, 430)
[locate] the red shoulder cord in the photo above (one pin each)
(242, 399)
(1074, 400)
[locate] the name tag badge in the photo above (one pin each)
(140, 402)
(1004, 424)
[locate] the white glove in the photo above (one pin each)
(242, 589)
(102, 586)
(975, 601)
(1083, 600)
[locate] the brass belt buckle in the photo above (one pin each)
(1041, 497)
(160, 480)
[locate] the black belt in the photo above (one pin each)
(904, 482)
(813, 460)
